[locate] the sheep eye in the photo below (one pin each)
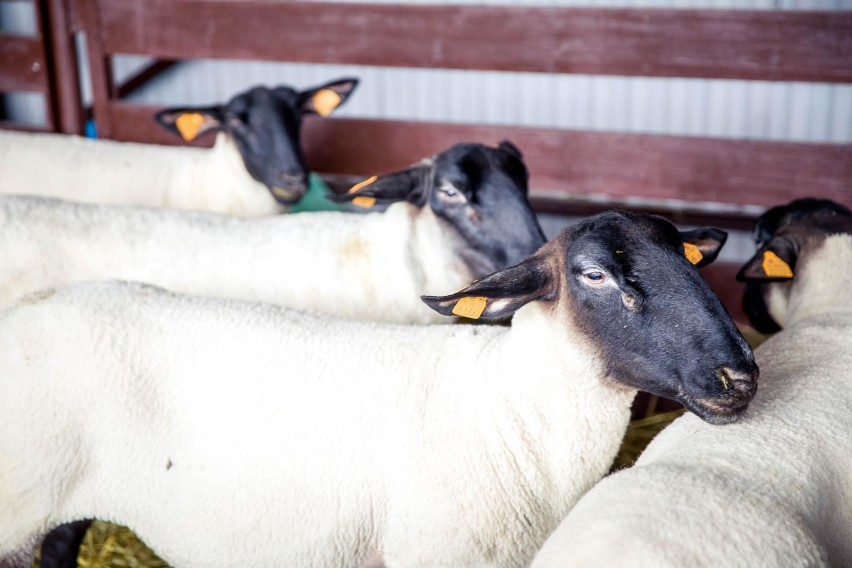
(595, 276)
(236, 117)
(452, 193)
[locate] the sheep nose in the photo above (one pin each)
(292, 180)
(742, 383)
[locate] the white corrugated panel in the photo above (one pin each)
(725, 108)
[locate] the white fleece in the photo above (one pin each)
(775, 488)
(230, 434)
(370, 266)
(105, 171)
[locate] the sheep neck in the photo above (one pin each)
(573, 418)
(226, 182)
(822, 282)
(434, 247)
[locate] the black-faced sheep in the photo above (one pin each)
(325, 442)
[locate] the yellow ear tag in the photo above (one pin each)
(470, 307)
(188, 124)
(774, 267)
(692, 254)
(364, 201)
(325, 101)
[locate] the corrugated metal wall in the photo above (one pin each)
(726, 108)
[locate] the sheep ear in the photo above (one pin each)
(702, 246)
(507, 146)
(324, 99)
(774, 263)
(406, 185)
(500, 294)
(190, 123)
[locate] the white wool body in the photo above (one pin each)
(105, 171)
(775, 488)
(245, 434)
(371, 266)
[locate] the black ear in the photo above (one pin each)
(507, 146)
(702, 246)
(324, 99)
(772, 263)
(406, 185)
(500, 294)
(190, 122)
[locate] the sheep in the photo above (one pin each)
(329, 442)
(255, 168)
(775, 489)
(494, 181)
(454, 218)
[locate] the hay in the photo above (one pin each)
(640, 432)
(111, 546)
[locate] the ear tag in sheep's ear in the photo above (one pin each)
(324, 101)
(774, 267)
(364, 201)
(188, 124)
(470, 307)
(692, 254)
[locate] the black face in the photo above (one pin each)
(264, 123)
(755, 308)
(626, 284)
(782, 232)
(660, 327)
(482, 192)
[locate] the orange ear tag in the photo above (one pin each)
(774, 267)
(364, 201)
(325, 101)
(188, 124)
(692, 254)
(470, 307)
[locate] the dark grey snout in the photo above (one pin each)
(295, 181)
(740, 384)
(289, 188)
(727, 397)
